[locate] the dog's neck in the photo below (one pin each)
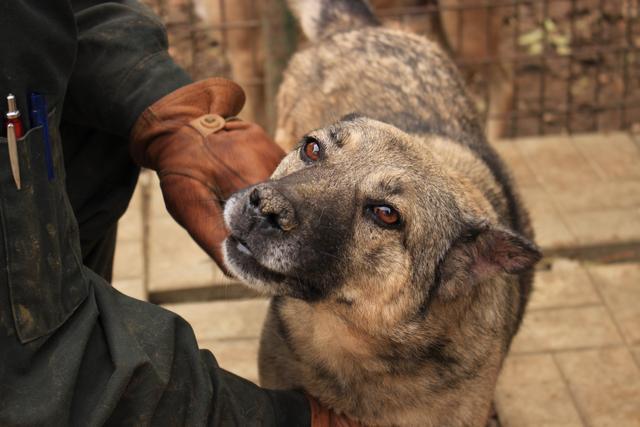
(340, 363)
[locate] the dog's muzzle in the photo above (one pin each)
(270, 210)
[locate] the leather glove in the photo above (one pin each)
(323, 417)
(201, 158)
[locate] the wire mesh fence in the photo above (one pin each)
(534, 67)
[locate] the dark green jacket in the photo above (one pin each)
(73, 351)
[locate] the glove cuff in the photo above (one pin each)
(177, 109)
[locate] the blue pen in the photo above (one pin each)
(38, 116)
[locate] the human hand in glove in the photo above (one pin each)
(200, 157)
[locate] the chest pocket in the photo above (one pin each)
(43, 261)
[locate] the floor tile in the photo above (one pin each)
(566, 284)
(175, 260)
(620, 288)
(130, 225)
(128, 262)
(224, 319)
(635, 350)
(237, 356)
(598, 196)
(531, 393)
(566, 328)
(549, 227)
(556, 162)
(613, 154)
(156, 201)
(515, 162)
(603, 227)
(605, 384)
(132, 287)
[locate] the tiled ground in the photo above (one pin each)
(576, 360)
(572, 362)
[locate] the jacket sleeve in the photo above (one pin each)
(162, 379)
(122, 65)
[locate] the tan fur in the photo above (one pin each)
(399, 326)
(345, 340)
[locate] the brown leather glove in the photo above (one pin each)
(323, 417)
(202, 159)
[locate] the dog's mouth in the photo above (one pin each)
(242, 246)
(244, 263)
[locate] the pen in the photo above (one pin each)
(38, 113)
(15, 130)
(13, 116)
(13, 153)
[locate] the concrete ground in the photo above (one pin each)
(576, 360)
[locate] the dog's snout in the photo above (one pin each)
(272, 208)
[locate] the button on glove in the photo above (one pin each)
(202, 159)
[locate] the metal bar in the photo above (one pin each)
(562, 111)
(257, 67)
(162, 8)
(488, 68)
(570, 77)
(404, 20)
(600, 58)
(193, 40)
(551, 55)
(582, 50)
(543, 66)
(513, 112)
(625, 64)
(223, 25)
(419, 10)
(460, 23)
(223, 18)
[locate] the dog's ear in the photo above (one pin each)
(480, 253)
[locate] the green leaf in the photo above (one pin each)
(534, 36)
(549, 25)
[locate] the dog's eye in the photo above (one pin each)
(385, 215)
(311, 150)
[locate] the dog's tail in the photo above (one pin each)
(320, 18)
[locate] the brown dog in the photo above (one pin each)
(396, 251)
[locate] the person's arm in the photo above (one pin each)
(122, 65)
(123, 69)
(74, 351)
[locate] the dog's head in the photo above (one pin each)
(363, 212)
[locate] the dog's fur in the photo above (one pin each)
(403, 324)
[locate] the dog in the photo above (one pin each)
(396, 251)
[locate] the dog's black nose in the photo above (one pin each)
(272, 208)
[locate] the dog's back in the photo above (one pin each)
(354, 64)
